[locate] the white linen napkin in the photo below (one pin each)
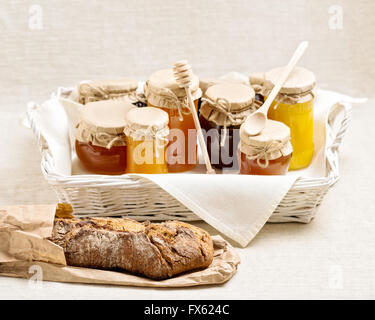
(236, 205)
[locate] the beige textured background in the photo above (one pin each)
(332, 257)
(116, 38)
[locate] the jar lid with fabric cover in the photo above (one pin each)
(204, 84)
(102, 123)
(162, 90)
(228, 104)
(90, 91)
(147, 124)
(298, 88)
(272, 143)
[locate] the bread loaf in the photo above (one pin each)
(157, 251)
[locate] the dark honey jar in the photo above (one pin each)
(224, 108)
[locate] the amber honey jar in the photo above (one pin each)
(146, 133)
(163, 92)
(294, 106)
(224, 108)
(268, 153)
(100, 141)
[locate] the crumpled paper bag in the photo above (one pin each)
(23, 244)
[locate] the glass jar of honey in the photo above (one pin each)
(294, 106)
(268, 153)
(162, 91)
(224, 108)
(146, 133)
(100, 141)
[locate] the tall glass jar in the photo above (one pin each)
(146, 133)
(100, 142)
(293, 106)
(267, 153)
(224, 108)
(162, 91)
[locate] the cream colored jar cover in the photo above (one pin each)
(162, 90)
(90, 91)
(272, 143)
(228, 103)
(204, 84)
(102, 123)
(147, 124)
(298, 88)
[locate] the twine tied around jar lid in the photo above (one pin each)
(159, 136)
(272, 143)
(228, 103)
(298, 88)
(102, 123)
(148, 124)
(263, 152)
(91, 91)
(162, 90)
(224, 107)
(89, 134)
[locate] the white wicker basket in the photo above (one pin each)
(141, 199)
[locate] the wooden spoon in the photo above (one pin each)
(183, 74)
(256, 121)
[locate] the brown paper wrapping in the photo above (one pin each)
(23, 243)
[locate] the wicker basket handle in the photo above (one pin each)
(32, 108)
(332, 150)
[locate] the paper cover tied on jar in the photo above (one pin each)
(90, 91)
(267, 153)
(204, 84)
(224, 108)
(146, 133)
(100, 140)
(294, 106)
(163, 91)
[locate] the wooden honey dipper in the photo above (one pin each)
(183, 74)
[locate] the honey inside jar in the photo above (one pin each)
(277, 166)
(100, 142)
(163, 92)
(181, 150)
(268, 153)
(224, 108)
(294, 106)
(101, 160)
(221, 156)
(300, 119)
(147, 137)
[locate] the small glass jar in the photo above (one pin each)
(224, 108)
(100, 142)
(294, 106)
(146, 133)
(268, 153)
(162, 91)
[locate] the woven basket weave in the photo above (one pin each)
(140, 199)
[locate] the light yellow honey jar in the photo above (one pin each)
(294, 106)
(146, 131)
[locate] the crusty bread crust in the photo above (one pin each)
(157, 251)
